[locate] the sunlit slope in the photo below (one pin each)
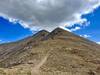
(57, 53)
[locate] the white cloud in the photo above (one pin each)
(85, 36)
(75, 29)
(47, 14)
(87, 23)
(98, 42)
(0, 40)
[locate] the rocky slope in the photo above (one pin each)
(57, 53)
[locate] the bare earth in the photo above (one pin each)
(57, 53)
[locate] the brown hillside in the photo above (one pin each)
(57, 53)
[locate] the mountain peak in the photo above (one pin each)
(41, 33)
(35, 55)
(59, 29)
(59, 32)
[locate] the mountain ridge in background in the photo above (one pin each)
(51, 53)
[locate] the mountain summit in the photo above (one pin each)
(58, 32)
(57, 53)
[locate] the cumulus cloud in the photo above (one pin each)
(75, 29)
(98, 42)
(0, 40)
(85, 36)
(46, 14)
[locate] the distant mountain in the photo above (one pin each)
(57, 53)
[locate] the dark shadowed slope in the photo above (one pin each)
(57, 53)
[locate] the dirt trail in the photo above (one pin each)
(35, 70)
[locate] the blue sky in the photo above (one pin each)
(93, 29)
(10, 32)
